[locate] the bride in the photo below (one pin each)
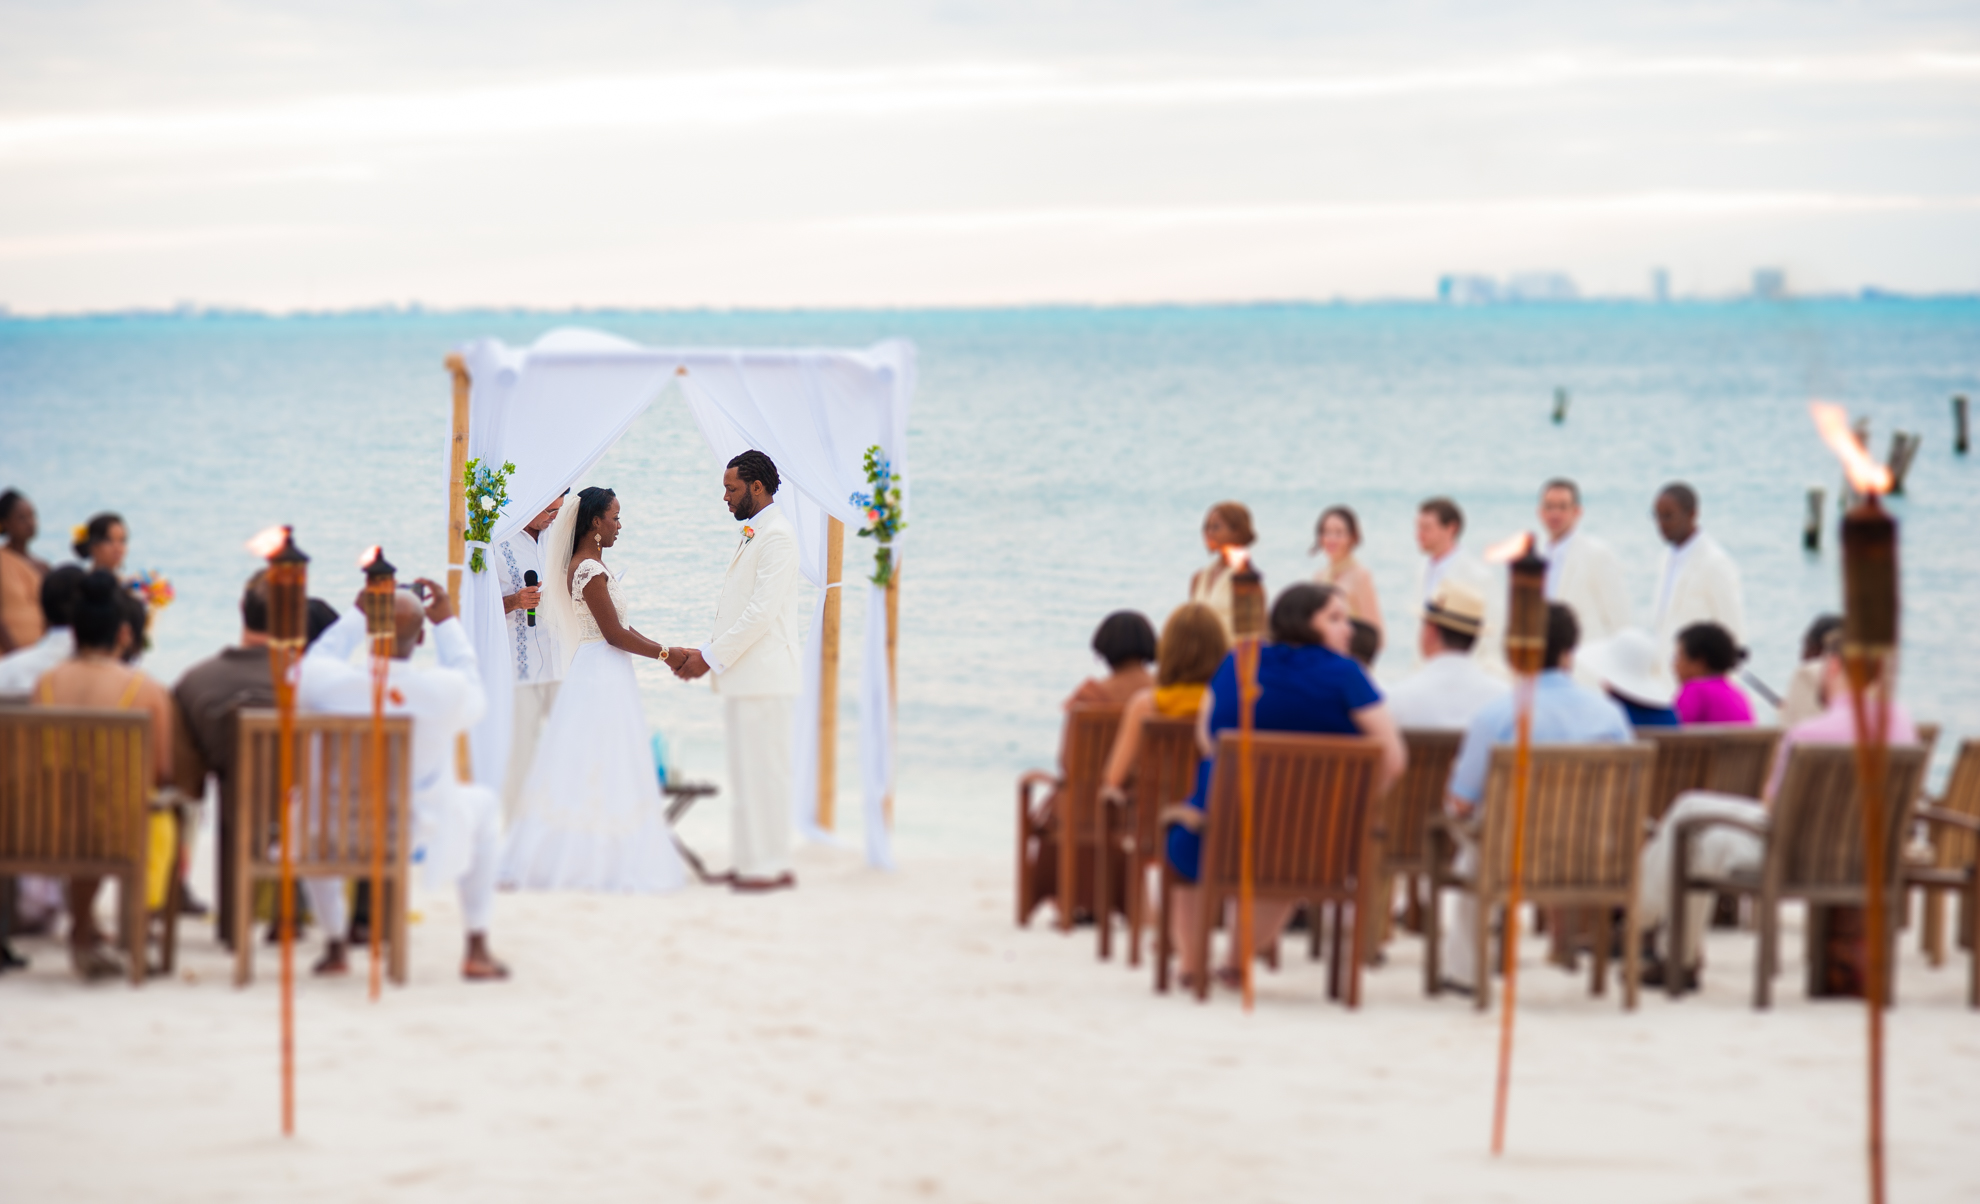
(591, 812)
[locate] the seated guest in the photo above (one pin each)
(1306, 683)
(210, 696)
(1564, 712)
(97, 677)
(1630, 671)
(1721, 851)
(1706, 653)
(1451, 686)
(19, 670)
(1364, 643)
(21, 574)
(1804, 692)
(1125, 640)
(457, 828)
(1193, 644)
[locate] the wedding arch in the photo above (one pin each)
(558, 405)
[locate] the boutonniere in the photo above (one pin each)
(749, 533)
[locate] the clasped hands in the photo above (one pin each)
(687, 663)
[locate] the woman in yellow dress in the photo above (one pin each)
(1226, 526)
(1193, 644)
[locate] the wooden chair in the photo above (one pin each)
(1584, 831)
(1951, 863)
(1728, 758)
(331, 836)
(1066, 832)
(75, 790)
(1310, 817)
(1402, 821)
(1813, 850)
(1165, 766)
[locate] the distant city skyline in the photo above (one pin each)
(873, 153)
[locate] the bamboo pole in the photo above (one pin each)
(457, 528)
(1526, 647)
(893, 680)
(828, 674)
(1247, 667)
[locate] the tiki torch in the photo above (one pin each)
(1870, 637)
(380, 601)
(1526, 651)
(288, 625)
(1248, 626)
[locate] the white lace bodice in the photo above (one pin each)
(587, 625)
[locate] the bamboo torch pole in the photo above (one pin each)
(828, 674)
(1526, 647)
(288, 621)
(1870, 640)
(893, 678)
(380, 598)
(457, 520)
(1248, 626)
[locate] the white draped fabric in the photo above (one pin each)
(555, 407)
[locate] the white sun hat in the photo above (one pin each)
(1629, 664)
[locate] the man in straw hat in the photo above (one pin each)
(1451, 687)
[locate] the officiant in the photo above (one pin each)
(532, 648)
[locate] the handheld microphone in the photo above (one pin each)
(529, 582)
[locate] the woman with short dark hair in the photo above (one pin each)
(1706, 655)
(1125, 641)
(1306, 683)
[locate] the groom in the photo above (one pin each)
(755, 661)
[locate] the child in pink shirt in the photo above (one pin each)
(1706, 653)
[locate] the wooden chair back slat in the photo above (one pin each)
(1584, 820)
(1090, 732)
(1955, 846)
(74, 789)
(1728, 758)
(1817, 825)
(1311, 805)
(1164, 772)
(1408, 806)
(331, 832)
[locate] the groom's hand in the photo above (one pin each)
(692, 665)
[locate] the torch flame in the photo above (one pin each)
(1865, 474)
(1509, 549)
(268, 541)
(371, 555)
(1235, 557)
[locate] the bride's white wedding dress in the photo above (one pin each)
(592, 817)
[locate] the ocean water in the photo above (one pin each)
(1060, 462)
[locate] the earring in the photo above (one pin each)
(598, 539)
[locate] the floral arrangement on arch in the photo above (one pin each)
(883, 512)
(487, 493)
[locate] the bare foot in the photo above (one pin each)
(480, 965)
(757, 886)
(333, 963)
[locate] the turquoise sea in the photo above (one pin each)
(1060, 461)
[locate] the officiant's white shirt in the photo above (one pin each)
(755, 647)
(532, 650)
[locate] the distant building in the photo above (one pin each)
(1660, 285)
(1540, 286)
(1467, 290)
(1769, 284)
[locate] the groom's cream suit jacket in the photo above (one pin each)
(755, 648)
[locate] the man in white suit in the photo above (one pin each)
(1700, 582)
(1583, 574)
(1439, 527)
(754, 657)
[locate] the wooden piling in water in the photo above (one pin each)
(1811, 528)
(1959, 425)
(1560, 405)
(1904, 449)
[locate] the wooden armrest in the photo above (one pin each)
(170, 798)
(1115, 797)
(1182, 815)
(1037, 777)
(1469, 826)
(1939, 815)
(1700, 823)
(689, 789)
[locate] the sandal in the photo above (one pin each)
(487, 971)
(94, 963)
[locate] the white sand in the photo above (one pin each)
(876, 1037)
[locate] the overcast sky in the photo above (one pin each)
(863, 152)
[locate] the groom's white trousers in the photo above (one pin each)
(758, 735)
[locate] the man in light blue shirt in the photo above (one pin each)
(1564, 712)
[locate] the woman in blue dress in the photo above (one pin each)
(1307, 683)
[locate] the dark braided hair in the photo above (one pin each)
(753, 465)
(593, 500)
(8, 501)
(96, 531)
(99, 613)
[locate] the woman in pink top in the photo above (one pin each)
(1706, 653)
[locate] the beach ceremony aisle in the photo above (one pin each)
(879, 1037)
